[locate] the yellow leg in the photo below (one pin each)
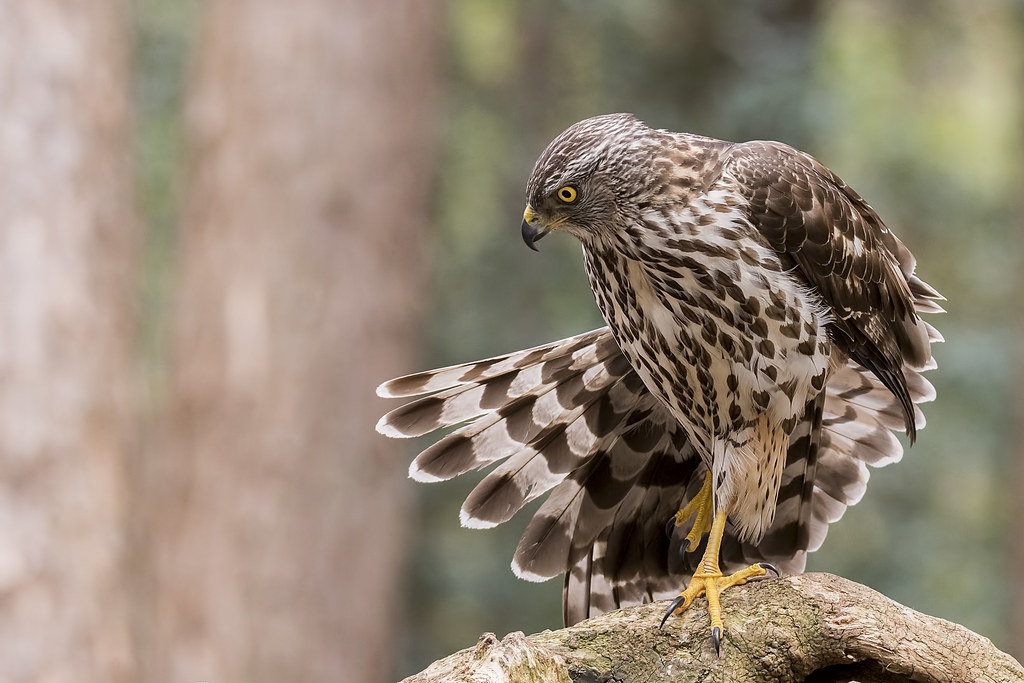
(699, 505)
(708, 580)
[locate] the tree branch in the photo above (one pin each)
(812, 627)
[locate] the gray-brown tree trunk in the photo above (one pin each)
(281, 511)
(68, 242)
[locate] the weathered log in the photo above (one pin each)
(811, 627)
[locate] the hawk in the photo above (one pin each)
(764, 343)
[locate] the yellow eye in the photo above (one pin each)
(567, 194)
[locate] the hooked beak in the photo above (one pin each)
(533, 231)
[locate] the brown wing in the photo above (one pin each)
(844, 252)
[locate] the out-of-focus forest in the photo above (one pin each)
(226, 222)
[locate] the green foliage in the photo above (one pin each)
(162, 46)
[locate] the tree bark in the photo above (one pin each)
(68, 249)
(310, 130)
(811, 627)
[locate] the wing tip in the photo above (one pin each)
(470, 522)
(527, 575)
(422, 476)
(408, 386)
(385, 428)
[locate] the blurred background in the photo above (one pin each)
(226, 222)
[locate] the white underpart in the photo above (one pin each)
(733, 456)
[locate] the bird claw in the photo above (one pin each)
(670, 527)
(768, 567)
(679, 601)
(716, 631)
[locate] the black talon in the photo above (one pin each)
(676, 604)
(768, 567)
(716, 635)
(670, 527)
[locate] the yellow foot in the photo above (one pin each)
(708, 579)
(712, 584)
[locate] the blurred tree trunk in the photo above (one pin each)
(1016, 643)
(280, 511)
(67, 253)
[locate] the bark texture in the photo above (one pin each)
(68, 239)
(812, 627)
(280, 511)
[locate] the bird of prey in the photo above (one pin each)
(763, 344)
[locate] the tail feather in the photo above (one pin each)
(632, 559)
(465, 392)
(472, 373)
(926, 298)
(580, 508)
(556, 451)
(502, 432)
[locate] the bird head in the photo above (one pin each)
(588, 176)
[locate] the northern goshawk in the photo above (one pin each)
(763, 344)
